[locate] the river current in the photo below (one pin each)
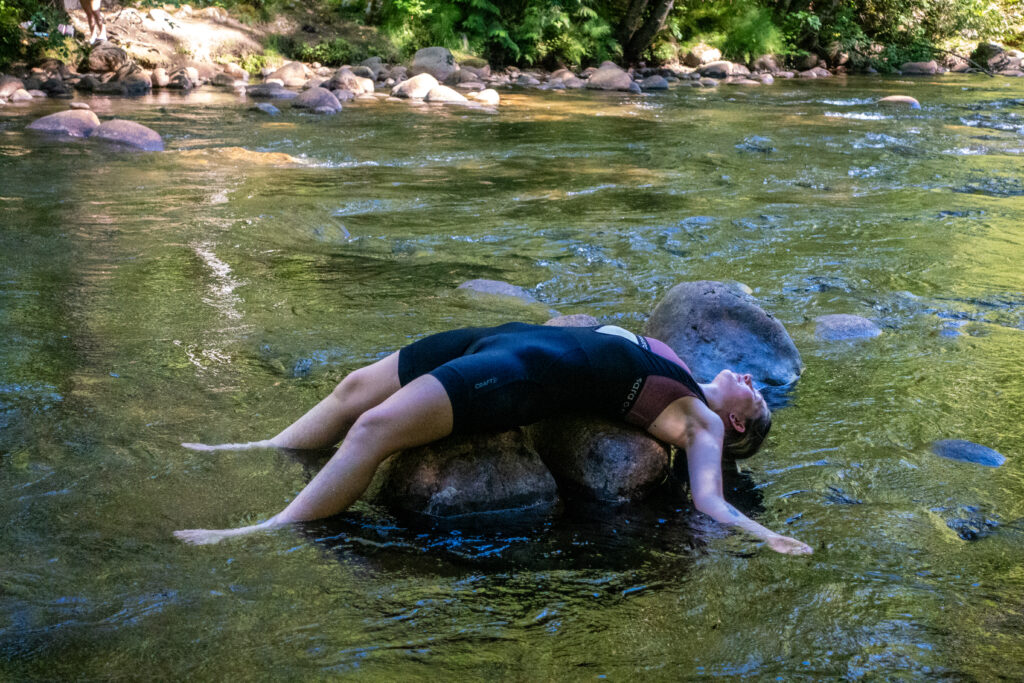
(216, 290)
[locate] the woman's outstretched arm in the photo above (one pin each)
(417, 414)
(688, 424)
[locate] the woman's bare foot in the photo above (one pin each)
(266, 443)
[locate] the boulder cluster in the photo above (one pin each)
(83, 123)
(711, 325)
(435, 76)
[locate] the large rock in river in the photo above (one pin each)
(130, 134)
(610, 77)
(75, 123)
(292, 74)
(599, 459)
(318, 99)
(107, 57)
(10, 85)
(436, 61)
(467, 474)
(416, 87)
(712, 326)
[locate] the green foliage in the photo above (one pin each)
(329, 53)
(10, 33)
(527, 31)
(741, 29)
(41, 40)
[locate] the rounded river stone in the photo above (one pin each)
(713, 326)
(968, 451)
(468, 474)
(840, 327)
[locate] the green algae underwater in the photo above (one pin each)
(216, 290)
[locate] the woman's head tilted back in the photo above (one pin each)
(741, 445)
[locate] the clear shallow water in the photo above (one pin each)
(214, 291)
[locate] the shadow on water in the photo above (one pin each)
(662, 535)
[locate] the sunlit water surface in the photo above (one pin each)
(214, 291)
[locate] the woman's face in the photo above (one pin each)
(738, 395)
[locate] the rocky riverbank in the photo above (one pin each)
(189, 49)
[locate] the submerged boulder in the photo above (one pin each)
(497, 288)
(841, 327)
(713, 326)
(968, 451)
(75, 123)
(272, 91)
(467, 474)
(130, 134)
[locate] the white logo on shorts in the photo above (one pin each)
(481, 385)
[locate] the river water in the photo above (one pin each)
(214, 291)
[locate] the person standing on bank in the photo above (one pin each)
(93, 15)
(493, 379)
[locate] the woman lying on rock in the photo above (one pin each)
(493, 379)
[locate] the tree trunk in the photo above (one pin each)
(634, 18)
(643, 38)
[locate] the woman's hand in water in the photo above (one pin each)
(787, 545)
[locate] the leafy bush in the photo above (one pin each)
(10, 33)
(329, 53)
(528, 31)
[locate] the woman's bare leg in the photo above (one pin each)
(97, 11)
(328, 420)
(417, 414)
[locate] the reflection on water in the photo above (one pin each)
(214, 291)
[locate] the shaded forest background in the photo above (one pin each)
(552, 33)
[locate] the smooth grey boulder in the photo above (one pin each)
(271, 91)
(723, 69)
(266, 108)
(467, 474)
(416, 87)
(900, 101)
(654, 82)
(766, 63)
(75, 123)
(920, 68)
(21, 96)
(10, 85)
(497, 288)
(968, 451)
(842, 327)
(292, 75)
(701, 54)
(599, 459)
(130, 134)
(609, 77)
(319, 100)
(445, 95)
(345, 79)
(714, 326)
(107, 57)
(436, 61)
